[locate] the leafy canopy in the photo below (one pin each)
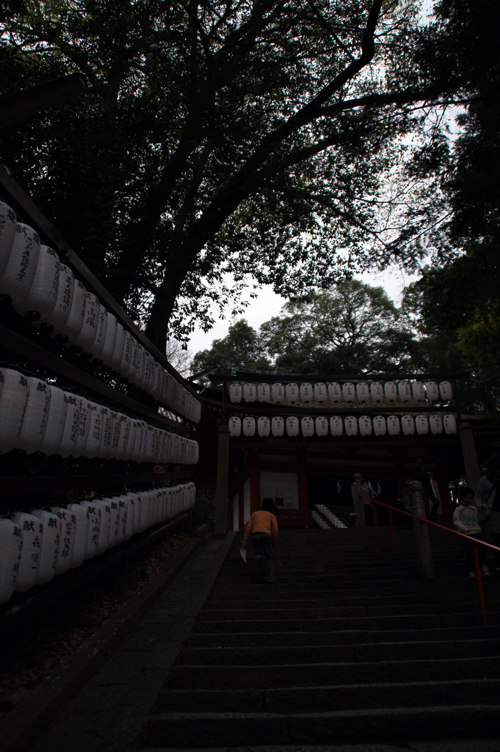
(352, 328)
(219, 141)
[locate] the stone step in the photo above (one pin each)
(334, 611)
(340, 637)
(287, 700)
(391, 621)
(356, 726)
(331, 652)
(243, 676)
(345, 598)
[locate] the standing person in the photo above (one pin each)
(488, 504)
(263, 527)
(465, 519)
(366, 491)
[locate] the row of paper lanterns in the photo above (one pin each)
(39, 417)
(338, 426)
(46, 290)
(36, 546)
(335, 392)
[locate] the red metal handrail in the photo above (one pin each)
(473, 542)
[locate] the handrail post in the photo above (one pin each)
(359, 504)
(421, 531)
(479, 583)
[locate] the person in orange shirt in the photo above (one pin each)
(263, 527)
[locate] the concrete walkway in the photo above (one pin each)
(107, 713)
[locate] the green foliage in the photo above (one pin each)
(219, 138)
(352, 328)
(241, 348)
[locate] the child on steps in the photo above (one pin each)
(465, 519)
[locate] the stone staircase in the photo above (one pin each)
(350, 646)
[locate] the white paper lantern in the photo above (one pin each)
(149, 375)
(377, 391)
(321, 426)
(109, 340)
(8, 222)
(393, 425)
(418, 391)
(69, 438)
(145, 508)
(32, 535)
(278, 426)
(348, 392)
(450, 424)
(445, 391)
(408, 425)
(248, 426)
(362, 392)
(35, 417)
(42, 296)
(114, 524)
(278, 393)
(379, 426)
(105, 526)
(307, 426)
(404, 391)
(158, 382)
(97, 346)
(336, 425)
(67, 541)
(94, 524)
(292, 393)
(56, 319)
(117, 356)
(83, 428)
(125, 366)
(320, 392)
(20, 269)
(82, 518)
(88, 332)
(55, 423)
(264, 393)
(51, 540)
(249, 392)
(436, 424)
(73, 325)
(351, 425)
(264, 426)
(123, 505)
(13, 400)
(11, 547)
(306, 393)
(292, 426)
(124, 434)
(140, 374)
(422, 425)
(235, 393)
(334, 391)
(390, 391)
(95, 428)
(431, 391)
(365, 425)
